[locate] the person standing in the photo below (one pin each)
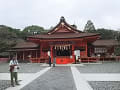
(49, 61)
(54, 61)
(14, 66)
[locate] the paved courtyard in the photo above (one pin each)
(36, 76)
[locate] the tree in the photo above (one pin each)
(118, 37)
(33, 30)
(7, 38)
(106, 33)
(89, 27)
(117, 49)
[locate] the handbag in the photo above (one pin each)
(11, 68)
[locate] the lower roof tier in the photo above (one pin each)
(63, 35)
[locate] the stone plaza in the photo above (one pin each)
(84, 76)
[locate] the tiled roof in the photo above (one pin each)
(62, 20)
(25, 44)
(105, 43)
(63, 31)
(63, 35)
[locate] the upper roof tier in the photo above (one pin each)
(63, 30)
(63, 27)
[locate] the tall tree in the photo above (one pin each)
(89, 27)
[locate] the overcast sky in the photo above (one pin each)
(46, 13)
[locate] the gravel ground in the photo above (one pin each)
(105, 85)
(113, 67)
(57, 78)
(4, 84)
(24, 67)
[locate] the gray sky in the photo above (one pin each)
(46, 13)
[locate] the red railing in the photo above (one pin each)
(95, 59)
(89, 59)
(81, 59)
(110, 58)
(4, 59)
(40, 60)
(117, 58)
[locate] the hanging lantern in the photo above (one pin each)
(60, 47)
(64, 47)
(55, 47)
(69, 46)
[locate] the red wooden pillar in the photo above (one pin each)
(23, 56)
(36, 56)
(40, 50)
(40, 53)
(86, 48)
(73, 53)
(51, 53)
(30, 57)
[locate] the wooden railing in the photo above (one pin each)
(117, 58)
(81, 59)
(89, 59)
(110, 58)
(40, 60)
(4, 59)
(95, 59)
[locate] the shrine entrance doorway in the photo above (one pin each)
(63, 54)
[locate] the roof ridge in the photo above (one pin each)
(63, 21)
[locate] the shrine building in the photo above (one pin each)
(64, 43)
